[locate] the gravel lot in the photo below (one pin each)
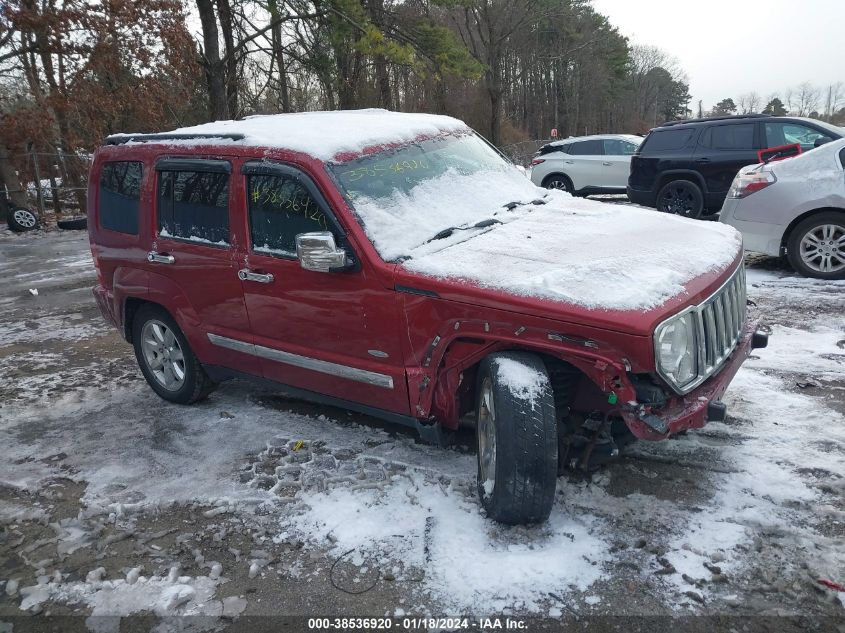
(113, 502)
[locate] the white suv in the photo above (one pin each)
(586, 165)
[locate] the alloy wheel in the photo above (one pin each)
(822, 248)
(163, 354)
(680, 199)
(25, 218)
(487, 437)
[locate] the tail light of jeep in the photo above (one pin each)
(747, 183)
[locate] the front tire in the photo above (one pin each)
(21, 220)
(816, 246)
(681, 197)
(166, 359)
(517, 438)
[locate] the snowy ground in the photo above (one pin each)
(113, 502)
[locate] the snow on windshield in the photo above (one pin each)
(404, 197)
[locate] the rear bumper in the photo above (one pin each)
(105, 301)
(699, 406)
(642, 197)
(759, 237)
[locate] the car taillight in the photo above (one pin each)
(537, 161)
(747, 183)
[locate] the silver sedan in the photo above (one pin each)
(794, 207)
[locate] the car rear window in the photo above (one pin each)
(120, 196)
(666, 140)
(194, 205)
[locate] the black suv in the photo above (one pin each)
(686, 167)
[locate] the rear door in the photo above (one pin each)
(584, 164)
(722, 150)
(193, 259)
(332, 333)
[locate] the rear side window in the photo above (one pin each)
(667, 140)
(280, 208)
(729, 137)
(586, 148)
(120, 196)
(194, 205)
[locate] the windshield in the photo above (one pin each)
(405, 196)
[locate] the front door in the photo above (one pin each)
(193, 260)
(333, 333)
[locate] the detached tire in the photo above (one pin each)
(517, 438)
(816, 246)
(166, 359)
(21, 220)
(78, 224)
(681, 197)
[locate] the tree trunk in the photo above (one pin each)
(230, 58)
(215, 72)
(282, 91)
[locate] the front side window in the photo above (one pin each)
(120, 196)
(779, 133)
(194, 205)
(618, 147)
(280, 208)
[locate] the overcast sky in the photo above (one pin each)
(731, 47)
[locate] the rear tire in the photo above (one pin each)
(816, 243)
(166, 359)
(681, 197)
(21, 220)
(517, 441)
(559, 181)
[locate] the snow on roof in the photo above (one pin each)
(326, 134)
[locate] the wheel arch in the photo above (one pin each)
(800, 218)
(680, 174)
(574, 373)
(559, 173)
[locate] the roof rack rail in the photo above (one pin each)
(727, 117)
(120, 139)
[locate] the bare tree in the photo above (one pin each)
(749, 102)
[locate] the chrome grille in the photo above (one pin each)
(719, 322)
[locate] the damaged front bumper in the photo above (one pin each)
(701, 405)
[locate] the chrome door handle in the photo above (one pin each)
(160, 258)
(606, 164)
(245, 274)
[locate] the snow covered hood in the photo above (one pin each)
(323, 135)
(586, 253)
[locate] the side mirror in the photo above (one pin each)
(821, 141)
(319, 253)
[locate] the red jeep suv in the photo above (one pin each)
(397, 265)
